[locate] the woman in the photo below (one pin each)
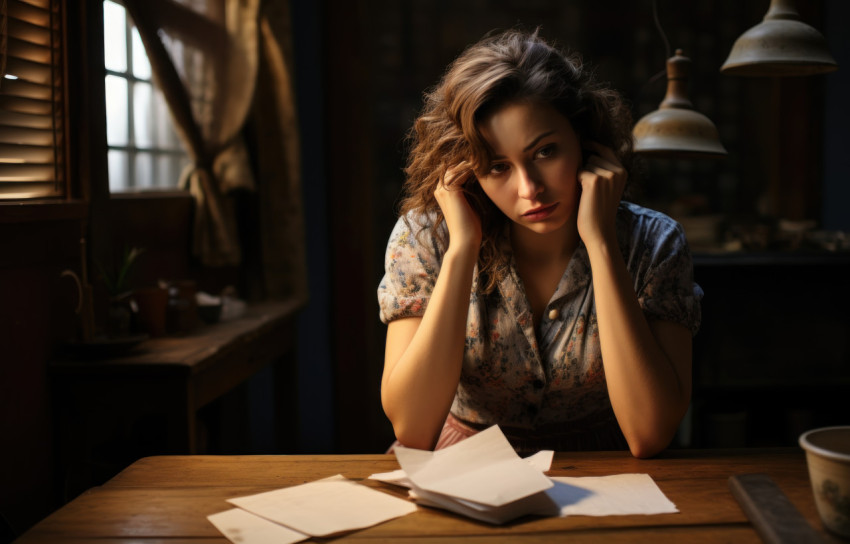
(519, 289)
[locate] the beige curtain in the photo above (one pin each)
(204, 57)
(208, 57)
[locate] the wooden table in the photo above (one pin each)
(159, 499)
(168, 380)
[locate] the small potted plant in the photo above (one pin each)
(116, 282)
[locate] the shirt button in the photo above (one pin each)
(554, 313)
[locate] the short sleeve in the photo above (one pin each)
(668, 291)
(411, 265)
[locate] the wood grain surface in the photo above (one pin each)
(167, 499)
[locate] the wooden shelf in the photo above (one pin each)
(173, 378)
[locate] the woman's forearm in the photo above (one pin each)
(423, 364)
(648, 382)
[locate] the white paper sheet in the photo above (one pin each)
(619, 494)
(243, 527)
(483, 469)
(326, 507)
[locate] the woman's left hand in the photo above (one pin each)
(602, 180)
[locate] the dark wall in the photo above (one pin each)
(772, 358)
(315, 373)
(36, 310)
(836, 190)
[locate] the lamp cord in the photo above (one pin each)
(663, 72)
(660, 29)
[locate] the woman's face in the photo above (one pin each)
(532, 177)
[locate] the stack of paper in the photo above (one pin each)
(322, 508)
(483, 478)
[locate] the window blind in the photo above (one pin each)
(32, 100)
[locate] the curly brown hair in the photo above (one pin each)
(503, 68)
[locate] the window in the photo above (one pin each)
(144, 150)
(32, 100)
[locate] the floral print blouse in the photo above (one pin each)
(522, 379)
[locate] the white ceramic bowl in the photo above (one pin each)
(828, 458)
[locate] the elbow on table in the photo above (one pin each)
(653, 431)
(412, 434)
(650, 445)
(646, 450)
(416, 443)
(411, 429)
(413, 438)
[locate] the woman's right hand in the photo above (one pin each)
(463, 223)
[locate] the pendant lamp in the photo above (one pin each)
(675, 129)
(781, 45)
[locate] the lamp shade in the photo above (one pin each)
(781, 45)
(675, 129)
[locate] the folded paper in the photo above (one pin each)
(482, 469)
(481, 477)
